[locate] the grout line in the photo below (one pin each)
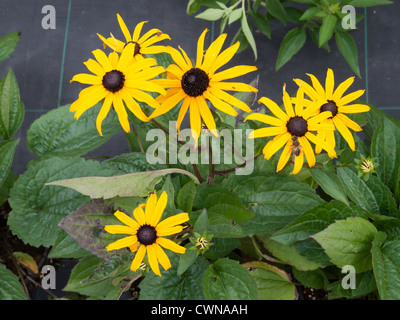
(63, 54)
(366, 54)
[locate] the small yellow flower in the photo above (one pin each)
(142, 44)
(332, 100)
(117, 80)
(146, 233)
(292, 130)
(199, 83)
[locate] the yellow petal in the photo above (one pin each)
(223, 58)
(233, 86)
(310, 91)
(277, 143)
(274, 109)
(170, 245)
(348, 122)
(321, 117)
(200, 49)
(94, 67)
(288, 104)
(182, 113)
(285, 156)
(329, 84)
(150, 206)
(219, 104)
(103, 112)
(151, 255)
(168, 104)
(124, 28)
(232, 73)
(162, 257)
(317, 86)
(117, 229)
(350, 97)
(139, 216)
(87, 79)
(229, 99)
(121, 112)
(124, 218)
(134, 107)
(267, 132)
(265, 119)
(298, 163)
(354, 108)
(195, 121)
(299, 104)
(342, 88)
(213, 52)
(162, 232)
(126, 57)
(324, 145)
(158, 209)
(346, 134)
(206, 114)
(122, 243)
(102, 59)
(137, 261)
(308, 151)
(174, 220)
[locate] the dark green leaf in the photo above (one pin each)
(369, 3)
(327, 28)
(169, 286)
(10, 287)
(58, 133)
(7, 150)
(11, 108)
(249, 35)
(348, 49)
(262, 24)
(291, 44)
(8, 44)
(186, 197)
(226, 279)
(275, 8)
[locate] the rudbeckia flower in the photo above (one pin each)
(146, 233)
(292, 129)
(117, 80)
(143, 44)
(195, 84)
(334, 101)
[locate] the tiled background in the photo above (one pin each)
(45, 60)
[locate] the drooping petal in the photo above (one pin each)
(308, 151)
(346, 134)
(170, 245)
(220, 104)
(121, 112)
(162, 257)
(151, 255)
(277, 143)
(105, 109)
(168, 104)
(207, 115)
(137, 261)
(348, 122)
(324, 145)
(182, 112)
(285, 156)
(298, 163)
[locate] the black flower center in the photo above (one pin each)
(146, 235)
(330, 106)
(114, 80)
(297, 126)
(137, 47)
(194, 82)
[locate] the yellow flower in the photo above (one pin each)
(143, 44)
(194, 84)
(117, 80)
(332, 100)
(146, 233)
(292, 130)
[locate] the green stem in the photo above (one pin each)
(211, 172)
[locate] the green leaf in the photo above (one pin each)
(291, 44)
(226, 279)
(8, 44)
(349, 242)
(132, 162)
(275, 199)
(385, 148)
(371, 195)
(262, 23)
(201, 224)
(211, 14)
(249, 35)
(11, 108)
(316, 220)
(221, 247)
(10, 287)
(369, 3)
(235, 15)
(58, 133)
(6, 187)
(66, 247)
(187, 259)
(365, 284)
(330, 183)
(315, 279)
(7, 150)
(309, 13)
(169, 286)
(327, 28)
(83, 270)
(348, 49)
(186, 196)
(127, 185)
(38, 208)
(86, 226)
(386, 266)
(272, 282)
(290, 255)
(275, 8)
